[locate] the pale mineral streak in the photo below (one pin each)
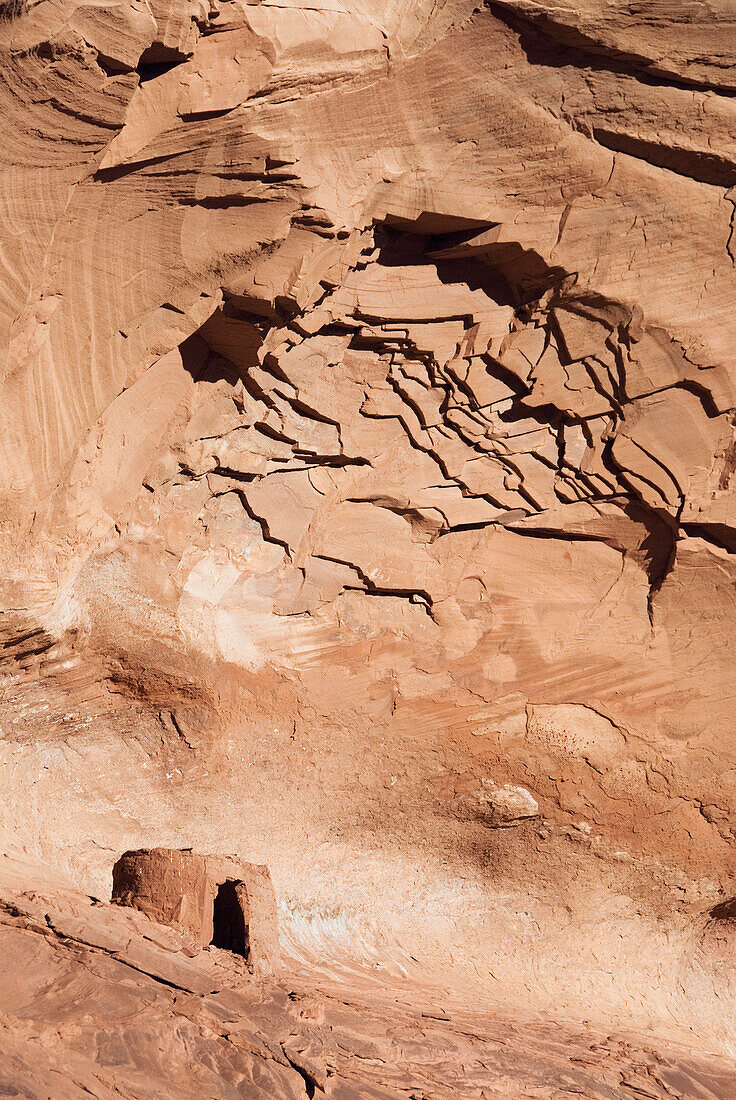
(367, 512)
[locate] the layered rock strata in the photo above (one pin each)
(367, 393)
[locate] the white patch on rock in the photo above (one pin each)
(506, 805)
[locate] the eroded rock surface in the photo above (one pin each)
(367, 453)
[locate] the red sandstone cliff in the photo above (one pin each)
(367, 510)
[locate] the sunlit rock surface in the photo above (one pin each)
(368, 512)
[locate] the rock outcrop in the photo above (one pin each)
(367, 500)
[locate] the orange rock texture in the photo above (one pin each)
(368, 512)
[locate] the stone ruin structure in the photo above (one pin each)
(218, 901)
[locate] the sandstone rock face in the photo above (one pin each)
(367, 501)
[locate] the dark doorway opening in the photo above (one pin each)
(229, 929)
